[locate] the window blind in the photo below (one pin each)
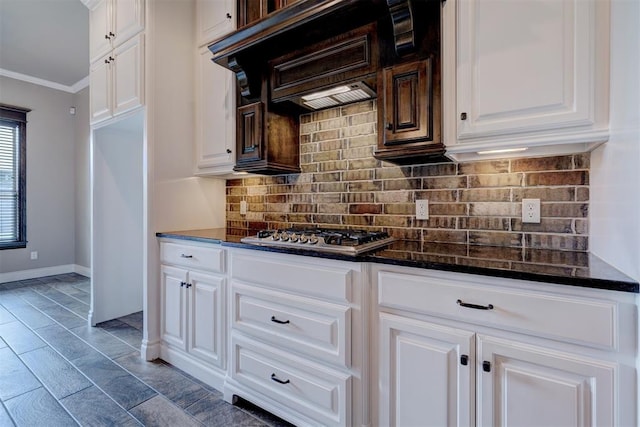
(13, 177)
(9, 196)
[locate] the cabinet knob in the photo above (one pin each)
(228, 151)
(106, 36)
(389, 126)
(486, 366)
(228, 16)
(464, 360)
(106, 61)
(111, 59)
(111, 34)
(463, 116)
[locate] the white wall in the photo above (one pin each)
(615, 167)
(50, 179)
(118, 217)
(82, 181)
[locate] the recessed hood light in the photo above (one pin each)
(504, 150)
(338, 95)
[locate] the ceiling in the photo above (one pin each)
(45, 39)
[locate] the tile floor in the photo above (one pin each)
(57, 371)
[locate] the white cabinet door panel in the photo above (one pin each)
(215, 116)
(174, 306)
(533, 386)
(206, 303)
(100, 77)
(128, 19)
(524, 65)
(99, 28)
(128, 75)
(422, 378)
(215, 18)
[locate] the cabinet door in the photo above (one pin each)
(128, 19)
(206, 328)
(128, 75)
(407, 102)
(215, 19)
(215, 116)
(174, 306)
(100, 91)
(532, 386)
(524, 66)
(99, 28)
(249, 132)
(424, 379)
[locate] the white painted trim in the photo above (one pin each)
(13, 276)
(78, 86)
(81, 269)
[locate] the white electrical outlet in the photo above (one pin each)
(34, 255)
(531, 211)
(422, 209)
(243, 207)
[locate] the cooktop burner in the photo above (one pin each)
(351, 242)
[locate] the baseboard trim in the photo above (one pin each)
(14, 276)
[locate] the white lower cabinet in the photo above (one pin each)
(525, 385)
(449, 354)
(298, 339)
(193, 305)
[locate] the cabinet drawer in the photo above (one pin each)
(314, 327)
(582, 320)
(192, 256)
(293, 274)
(313, 390)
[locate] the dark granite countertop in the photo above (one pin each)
(549, 266)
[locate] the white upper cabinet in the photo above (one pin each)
(531, 74)
(215, 18)
(215, 117)
(112, 22)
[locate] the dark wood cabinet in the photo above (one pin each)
(250, 11)
(409, 113)
(267, 140)
(249, 133)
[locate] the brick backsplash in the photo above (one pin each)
(471, 205)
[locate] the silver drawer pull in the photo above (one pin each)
(282, 322)
(278, 380)
(476, 306)
(186, 256)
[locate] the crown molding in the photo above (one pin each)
(78, 86)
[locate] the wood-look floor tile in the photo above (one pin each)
(212, 411)
(32, 317)
(5, 316)
(91, 407)
(58, 375)
(159, 411)
(67, 344)
(38, 408)
(19, 337)
(15, 378)
(166, 380)
(103, 341)
(123, 387)
(5, 419)
(63, 316)
(126, 333)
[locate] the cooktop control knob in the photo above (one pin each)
(293, 237)
(275, 236)
(313, 239)
(284, 236)
(304, 238)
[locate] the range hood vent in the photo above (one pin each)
(338, 95)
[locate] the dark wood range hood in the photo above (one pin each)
(291, 57)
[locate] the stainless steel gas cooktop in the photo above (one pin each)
(348, 242)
